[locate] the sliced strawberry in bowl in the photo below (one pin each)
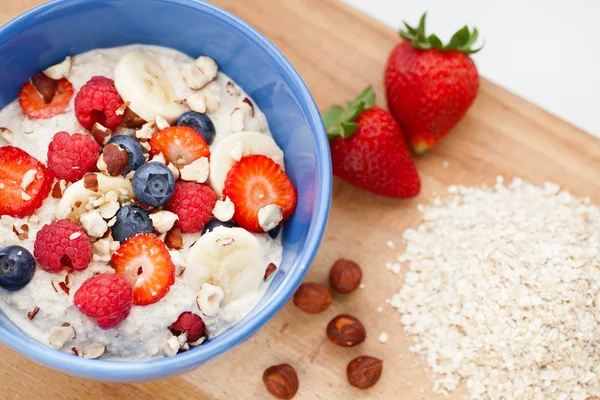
(50, 98)
(255, 182)
(146, 263)
(179, 145)
(19, 170)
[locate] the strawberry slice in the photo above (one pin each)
(180, 145)
(14, 164)
(47, 102)
(254, 182)
(146, 263)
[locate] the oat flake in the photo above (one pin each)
(502, 294)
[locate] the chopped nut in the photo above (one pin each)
(281, 381)
(247, 107)
(171, 346)
(177, 261)
(75, 351)
(93, 223)
(31, 314)
(101, 133)
(194, 77)
(173, 240)
(269, 271)
(60, 70)
(224, 210)
(173, 170)
(121, 110)
(6, 135)
(90, 182)
(57, 190)
(146, 131)
(115, 158)
(163, 221)
(60, 335)
(196, 171)
(160, 158)
(208, 67)
(213, 101)
(28, 178)
(108, 209)
(23, 233)
(345, 330)
(345, 276)
(197, 342)
(209, 299)
(364, 372)
(269, 217)
(132, 120)
(93, 351)
(45, 87)
(236, 121)
(161, 123)
(312, 298)
(197, 102)
(232, 89)
(63, 286)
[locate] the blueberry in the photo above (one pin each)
(134, 150)
(212, 224)
(131, 220)
(17, 266)
(153, 184)
(275, 231)
(201, 123)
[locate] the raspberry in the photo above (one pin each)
(98, 101)
(71, 156)
(193, 203)
(62, 244)
(106, 297)
(190, 323)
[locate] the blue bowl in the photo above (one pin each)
(45, 35)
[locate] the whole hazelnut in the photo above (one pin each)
(312, 297)
(345, 330)
(363, 372)
(281, 381)
(345, 276)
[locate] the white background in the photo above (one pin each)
(545, 51)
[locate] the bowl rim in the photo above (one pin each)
(158, 368)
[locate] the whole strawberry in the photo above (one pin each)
(369, 150)
(430, 86)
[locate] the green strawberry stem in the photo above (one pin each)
(463, 40)
(340, 121)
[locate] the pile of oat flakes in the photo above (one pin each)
(502, 292)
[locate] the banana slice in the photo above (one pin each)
(230, 258)
(143, 82)
(229, 151)
(77, 196)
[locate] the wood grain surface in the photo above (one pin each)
(338, 52)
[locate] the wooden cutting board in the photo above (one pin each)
(338, 52)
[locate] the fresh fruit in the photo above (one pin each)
(180, 145)
(430, 86)
(230, 258)
(241, 144)
(189, 323)
(15, 167)
(368, 149)
(106, 297)
(17, 266)
(153, 184)
(71, 156)
(62, 244)
(193, 203)
(135, 152)
(98, 101)
(143, 82)
(201, 123)
(76, 196)
(215, 223)
(36, 107)
(254, 182)
(146, 263)
(131, 220)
